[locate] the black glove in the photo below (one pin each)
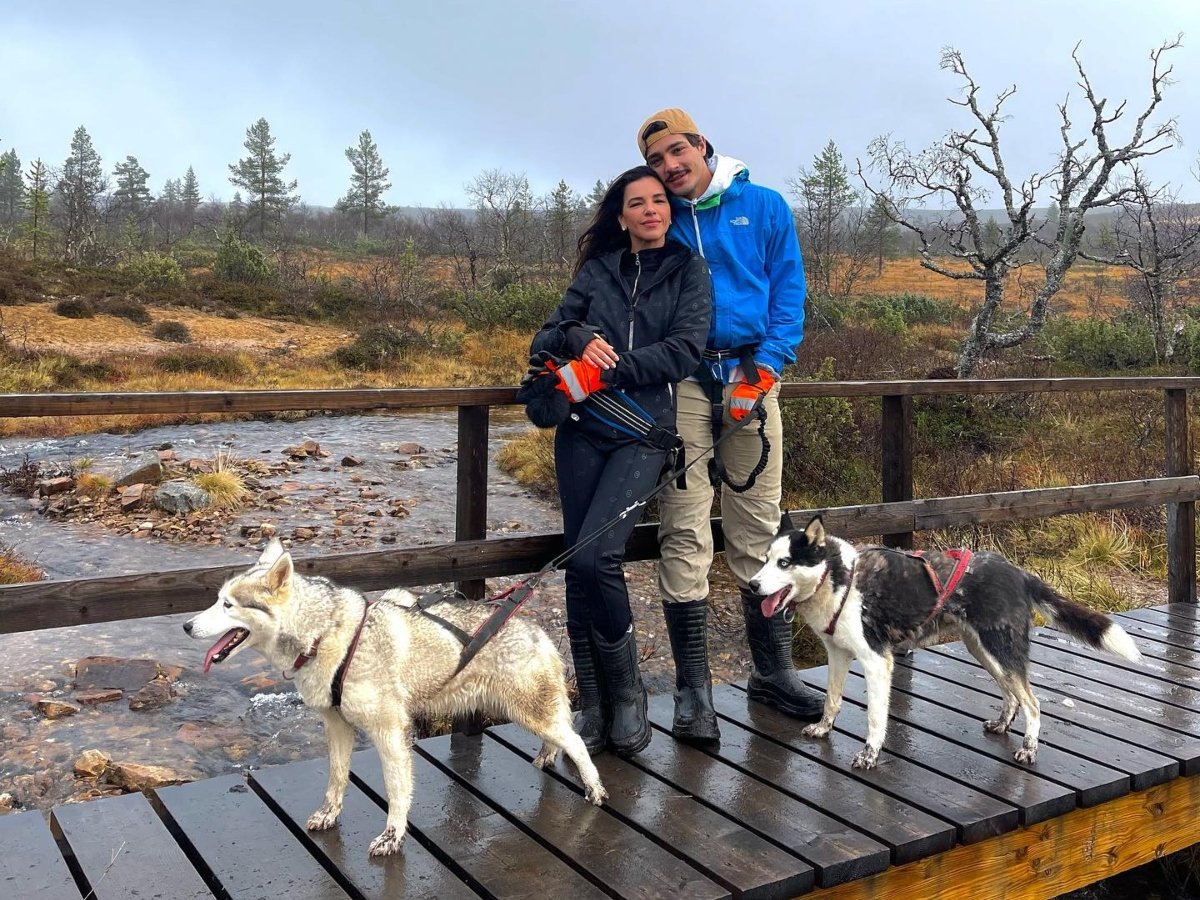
(545, 405)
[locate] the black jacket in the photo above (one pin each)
(659, 331)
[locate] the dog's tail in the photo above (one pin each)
(1087, 625)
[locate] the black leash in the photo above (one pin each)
(714, 389)
(513, 598)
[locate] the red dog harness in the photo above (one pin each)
(961, 556)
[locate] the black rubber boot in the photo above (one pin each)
(774, 680)
(592, 719)
(630, 729)
(687, 625)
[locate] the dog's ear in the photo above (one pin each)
(271, 552)
(279, 575)
(815, 531)
(785, 524)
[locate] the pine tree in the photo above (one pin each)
(12, 188)
(367, 182)
(132, 196)
(167, 208)
(189, 197)
(562, 217)
(260, 174)
(36, 204)
(882, 232)
(79, 189)
(599, 189)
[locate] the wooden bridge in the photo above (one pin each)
(767, 814)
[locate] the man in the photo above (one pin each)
(748, 237)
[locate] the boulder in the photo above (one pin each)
(140, 777)
(154, 695)
(349, 461)
(48, 487)
(132, 496)
(93, 672)
(56, 709)
(143, 469)
(91, 698)
(91, 764)
(180, 497)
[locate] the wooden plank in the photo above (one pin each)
(1105, 712)
(125, 850)
(975, 815)
(475, 840)
(1156, 658)
(1181, 516)
(896, 459)
(909, 832)
(591, 839)
(177, 402)
(470, 511)
(749, 866)
(31, 864)
(1162, 641)
(1080, 780)
(1052, 857)
(295, 790)
(971, 689)
(235, 841)
(838, 852)
(50, 604)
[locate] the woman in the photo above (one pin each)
(634, 321)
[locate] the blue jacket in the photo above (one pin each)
(747, 236)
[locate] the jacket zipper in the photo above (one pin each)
(633, 298)
(696, 225)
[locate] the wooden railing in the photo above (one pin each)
(471, 557)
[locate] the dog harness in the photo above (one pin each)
(962, 559)
(339, 677)
(507, 602)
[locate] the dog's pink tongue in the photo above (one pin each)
(224, 641)
(771, 602)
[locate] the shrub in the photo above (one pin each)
(15, 569)
(155, 271)
(239, 260)
(523, 307)
(1101, 346)
(907, 309)
(75, 308)
(126, 308)
(223, 484)
(210, 362)
(172, 331)
(377, 348)
(92, 484)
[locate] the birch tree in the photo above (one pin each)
(967, 168)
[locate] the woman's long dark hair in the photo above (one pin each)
(604, 234)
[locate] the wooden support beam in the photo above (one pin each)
(896, 461)
(1181, 515)
(470, 517)
(1050, 858)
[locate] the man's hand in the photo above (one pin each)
(745, 395)
(576, 379)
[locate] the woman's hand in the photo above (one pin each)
(599, 352)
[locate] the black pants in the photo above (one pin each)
(596, 481)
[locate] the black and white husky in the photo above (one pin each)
(866, 603)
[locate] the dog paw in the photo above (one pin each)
(817, 730)
(996, 726)
(323, 818)
(387, 843)
(866, 758)
(545, 759)
(596, 795)
(1026, 755)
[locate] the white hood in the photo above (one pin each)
(724, 169)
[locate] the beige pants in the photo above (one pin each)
(750, 519)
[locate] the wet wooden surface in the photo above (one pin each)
(766, 813)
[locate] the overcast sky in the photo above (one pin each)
(556, 89)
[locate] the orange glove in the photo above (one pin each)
(577, 378)
(745, 395)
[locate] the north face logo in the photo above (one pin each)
(739, 220)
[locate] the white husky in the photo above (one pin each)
(388, 664)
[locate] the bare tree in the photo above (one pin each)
(449, 233)
(956, 245)
(1159, 239)
(505, 206)
(831, 221)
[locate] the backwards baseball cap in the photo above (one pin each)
(665, 123)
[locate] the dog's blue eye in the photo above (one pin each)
(784, 563)
(228, 604)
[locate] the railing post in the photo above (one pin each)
(470, 518)
(896, 459)
(1181, 517)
